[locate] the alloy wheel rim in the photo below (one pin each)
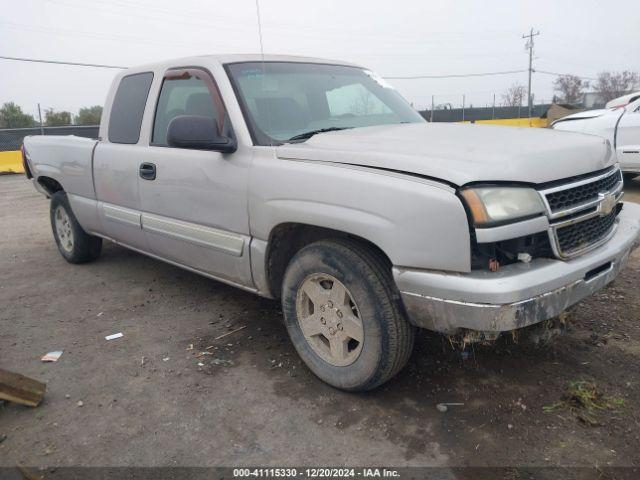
(330, 319)
(63, 229)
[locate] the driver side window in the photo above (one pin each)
(181, 96)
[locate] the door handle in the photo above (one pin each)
(148, 171)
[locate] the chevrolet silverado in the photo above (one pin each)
(315, 182)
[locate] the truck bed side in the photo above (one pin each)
(66, 163)
(65, 159)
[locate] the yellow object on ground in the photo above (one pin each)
(535, 122)
(11, 162)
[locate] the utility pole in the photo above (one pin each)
(529, 45)
(463, 99)
(433, 106)
(493, 108)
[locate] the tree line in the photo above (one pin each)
(571, 88)
(12, 116)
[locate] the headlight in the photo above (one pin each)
(491, 206)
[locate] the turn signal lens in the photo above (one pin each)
(476, 206)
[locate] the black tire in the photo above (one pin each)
(629, 176)
(84, 247)
(388, 335)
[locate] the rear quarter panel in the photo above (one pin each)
(66, 159)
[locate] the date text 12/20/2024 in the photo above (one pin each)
(315, 473)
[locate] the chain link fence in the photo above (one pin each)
(11, 138)
(472, 114)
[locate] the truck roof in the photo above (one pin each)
(232, 58)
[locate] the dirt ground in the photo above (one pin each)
(149, 400)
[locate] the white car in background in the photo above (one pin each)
(619, 125)
(623, 101)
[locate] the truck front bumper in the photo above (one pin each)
(517, 295)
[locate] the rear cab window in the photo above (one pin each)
(128, 107)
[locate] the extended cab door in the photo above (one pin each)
(628, 139)
(194, 207)
(116, 162)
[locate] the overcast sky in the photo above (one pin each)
(393, 38)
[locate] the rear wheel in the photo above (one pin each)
(74, 244)
(344, 315)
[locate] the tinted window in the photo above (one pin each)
(188, 96)
(281, 100)
(128, 107)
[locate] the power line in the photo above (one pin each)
(66, 33)
(564, 74)
(77, 64)
(416, 77)
(461, 75)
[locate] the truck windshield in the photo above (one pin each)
(285, 101)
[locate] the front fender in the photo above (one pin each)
(416, 222)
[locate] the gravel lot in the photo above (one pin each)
(147, 402)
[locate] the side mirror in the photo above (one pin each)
(201, 133)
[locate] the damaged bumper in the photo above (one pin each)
(517, 295)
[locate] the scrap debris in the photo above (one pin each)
(52, 356)
(114, 336)
(206, 352)
(443, 407)
(584, 400)
(17, 388)
(26, 474)
(220, 361)
(230, 333)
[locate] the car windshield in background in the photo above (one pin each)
(285, 101)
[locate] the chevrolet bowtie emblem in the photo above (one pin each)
(607, 203)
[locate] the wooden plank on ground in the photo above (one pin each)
(20, 389)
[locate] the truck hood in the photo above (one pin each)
(459, 153)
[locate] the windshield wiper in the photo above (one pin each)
(306, 135)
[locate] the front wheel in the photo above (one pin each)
(74, 244)
(344, 316)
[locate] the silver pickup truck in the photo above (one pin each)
(315, 182)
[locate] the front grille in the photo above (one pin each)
(583, 202)
(581, 235)
(572, 197)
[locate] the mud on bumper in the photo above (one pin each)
(517, 295)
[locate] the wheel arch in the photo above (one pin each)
(49, 185)
(286, 239)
